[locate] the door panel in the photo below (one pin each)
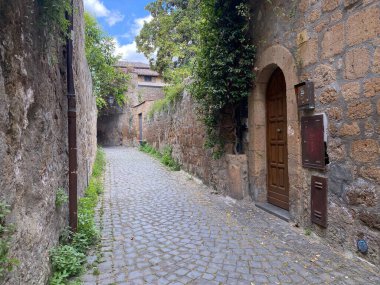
(278, 180)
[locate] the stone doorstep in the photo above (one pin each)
(274, 210)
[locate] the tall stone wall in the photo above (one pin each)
(179, 128)
(33, 132)
(335, 44)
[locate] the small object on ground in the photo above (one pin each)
(362, 246)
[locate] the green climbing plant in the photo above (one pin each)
(223, 70)
(6, 231)
(53, 15)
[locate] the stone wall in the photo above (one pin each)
(179, 128)
(33, 132)
(335, 44)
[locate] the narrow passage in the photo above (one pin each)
(162, 227)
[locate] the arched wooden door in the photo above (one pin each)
(277, 149)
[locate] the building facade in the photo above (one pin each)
(127, 125)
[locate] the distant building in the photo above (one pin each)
(126, 127)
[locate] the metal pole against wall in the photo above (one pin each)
(72, 129)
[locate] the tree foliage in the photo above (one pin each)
(223, 72)
(208, 40)
(107, 80)
(170, 39)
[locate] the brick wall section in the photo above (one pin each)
(335, 44)
(33, 134)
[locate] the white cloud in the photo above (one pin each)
(114, 18)
(129, 52)
(137, 26)
(97, 8)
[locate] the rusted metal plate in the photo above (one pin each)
(313, 147)
(305, 95)
(319, 200)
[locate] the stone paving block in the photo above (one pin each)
(161, 228)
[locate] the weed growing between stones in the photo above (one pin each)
(69, 257)
(6, 231)
(165, 157)
(61, 197)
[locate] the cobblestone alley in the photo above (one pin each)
(162, 227)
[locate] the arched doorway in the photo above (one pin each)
(276, 137)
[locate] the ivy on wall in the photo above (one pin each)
(223, 71)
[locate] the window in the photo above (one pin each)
(148, 78)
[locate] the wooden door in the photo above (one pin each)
(277, 151)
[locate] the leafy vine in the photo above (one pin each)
(224, 62)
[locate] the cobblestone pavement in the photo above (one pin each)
(162, 227)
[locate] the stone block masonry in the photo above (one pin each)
(335, 44)
(33, 132)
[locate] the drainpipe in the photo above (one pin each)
(72, 128)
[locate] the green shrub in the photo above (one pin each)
(66, 259)
(61, 197)
(165, 157)
(6, 231)
(168, 160)
(172, 94)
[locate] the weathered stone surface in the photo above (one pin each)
(237, 175)
(186, 135)
(369, 128)
(340, 176)
(335, 113)
(320, 26)
(33, 133)
(372, 87)
(359, 110)
(314, 15)
(349, 129)
(371, 172)
(376, 61)
(365, 150)
(324, 75)
(336, 16)
(371, 218)
(328, 96)
(302, 37)
(351, 91)
(308, 52)
(333, 41)
(329, 5)
(356, 63)
(361, 193)
(348, 3)
(363, 25)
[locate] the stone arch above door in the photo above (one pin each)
(274, 57)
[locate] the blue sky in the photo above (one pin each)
(122, 19)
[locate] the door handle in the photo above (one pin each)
(279, 130)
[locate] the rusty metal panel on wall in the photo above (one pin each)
(319, 200)
(305, 95)
(313, 147)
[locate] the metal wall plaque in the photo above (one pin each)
(313, 147)
(319, 200)
(305, 95)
